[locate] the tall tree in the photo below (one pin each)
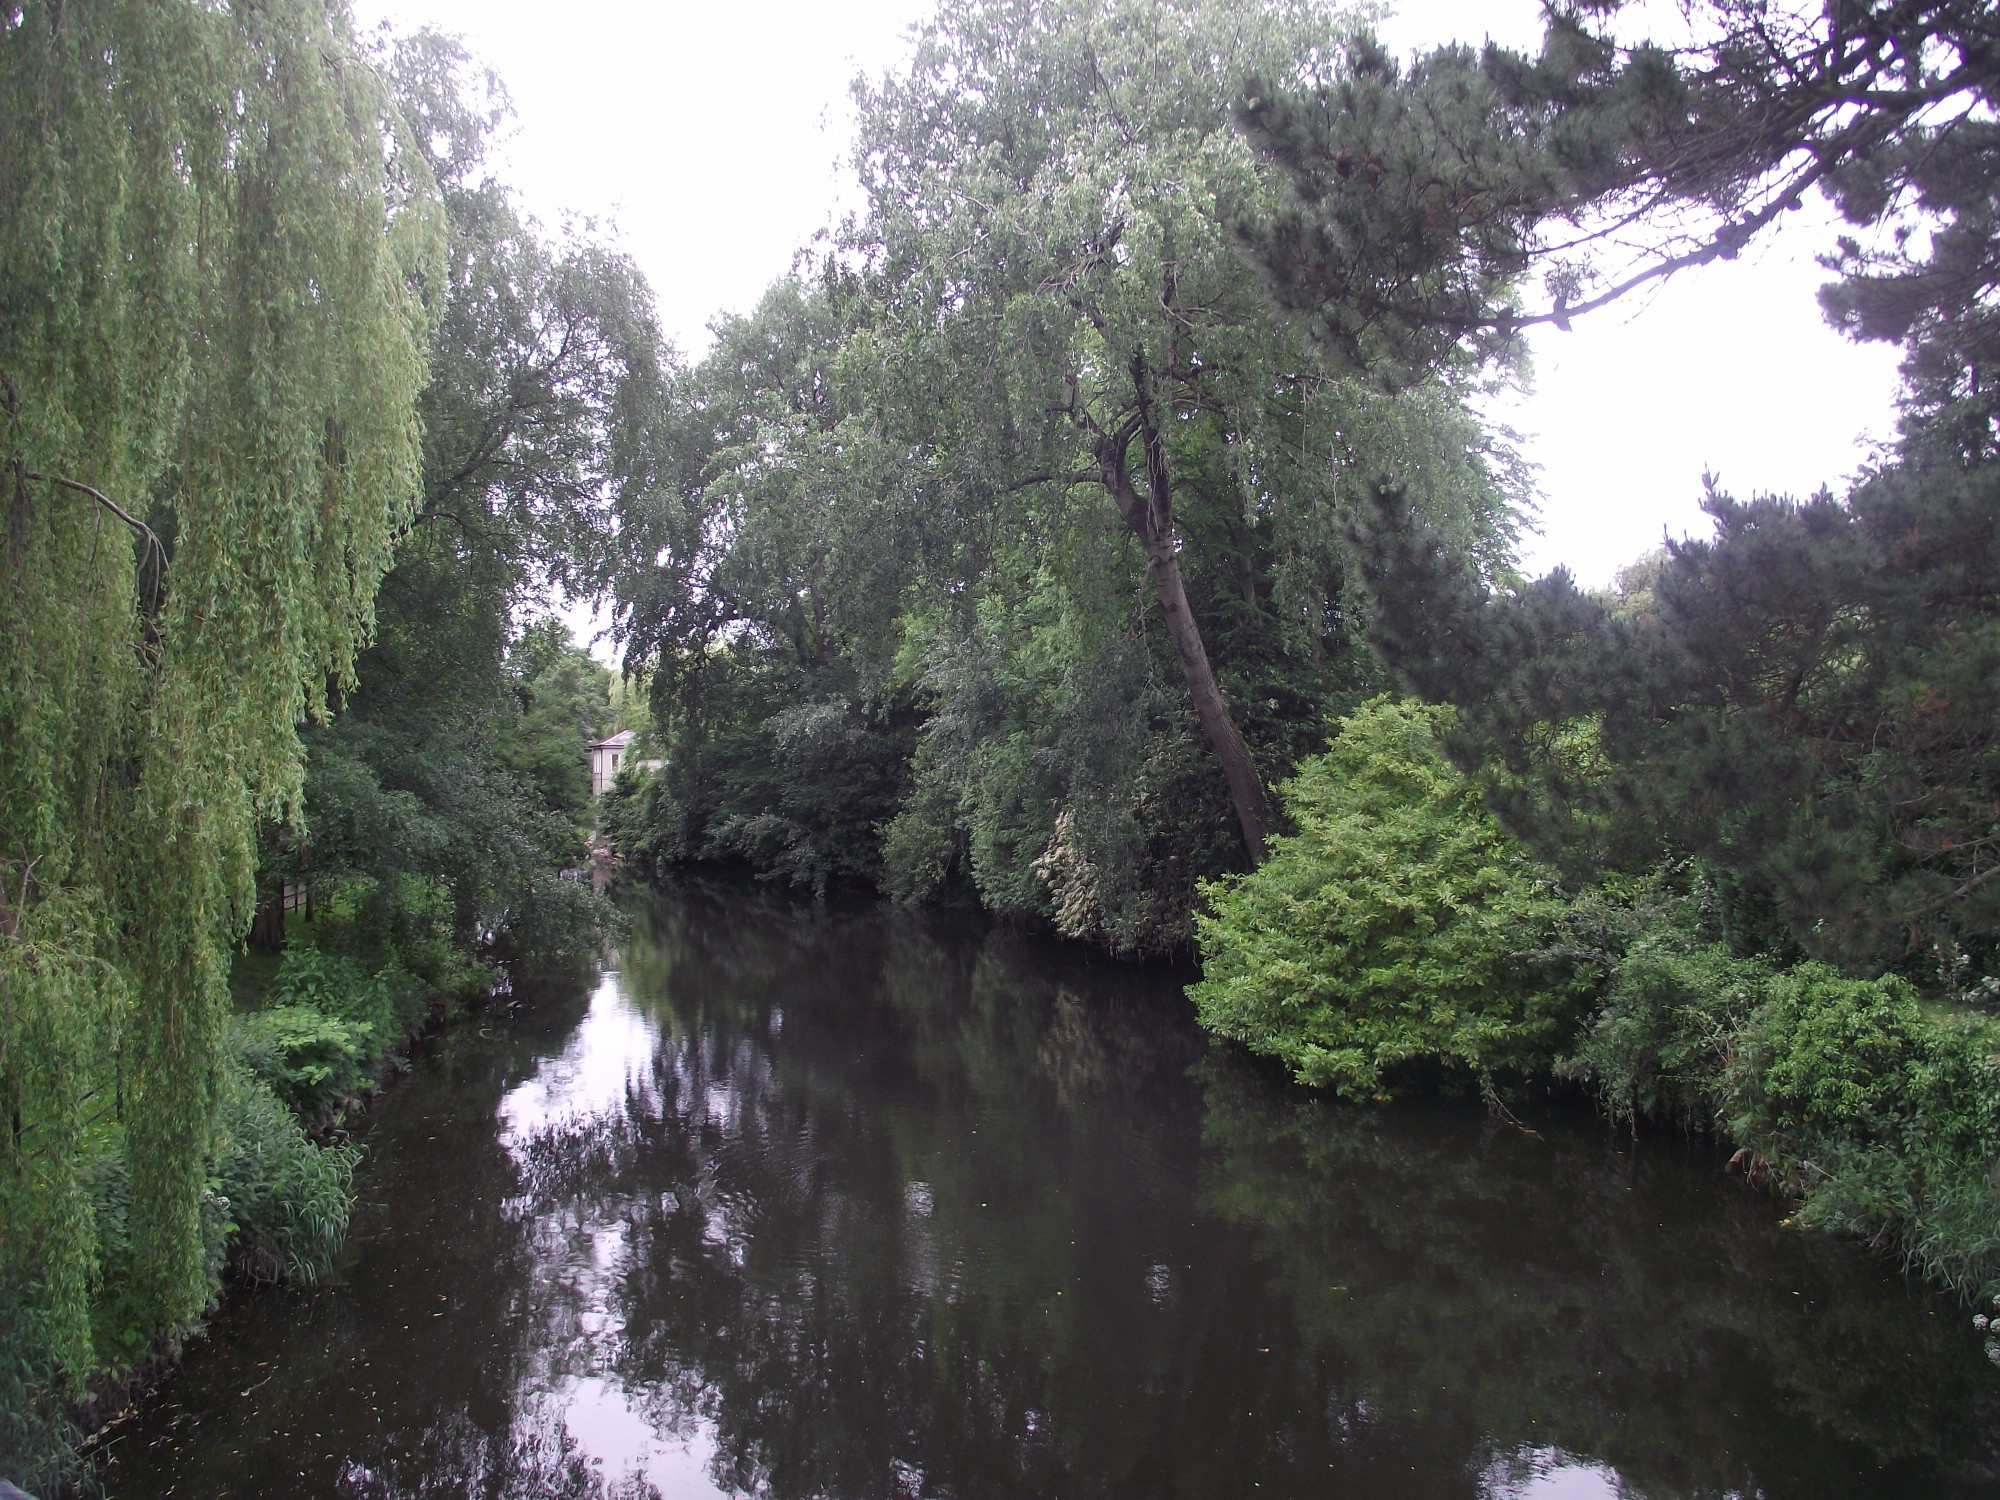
(1801, 698)
(214, 244)
(543, 418)
(1050, 189)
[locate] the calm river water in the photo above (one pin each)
(853, 1203)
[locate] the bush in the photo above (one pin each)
(308, 1059)
(1883, 1114)
(123, 1327)
(287, 1200)
(1398, 924)
(404, 930)
(38, 1442)
(1660, 1041)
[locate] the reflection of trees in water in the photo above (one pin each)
(416, 1377)
(470, 1304)
(534, 1456)
(1548, 1293)
(866, 1267)
(909, 1208)
(899, 1206)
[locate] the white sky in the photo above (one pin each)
(712, 136)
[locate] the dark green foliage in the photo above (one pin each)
(1421, 197)
(641, 819)
(1663, 1034)
(779, 767)
(310, 1060)
(1416, 199)
(1879, 1111)
(1804, 700)
(1399, 924)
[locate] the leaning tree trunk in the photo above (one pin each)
(1151, 517)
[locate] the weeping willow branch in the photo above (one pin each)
(156, 550)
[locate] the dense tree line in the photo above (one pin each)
(1761, 773)
(1005, 562)
(1668, 840)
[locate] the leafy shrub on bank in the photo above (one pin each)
(1880, 1111)
(38, 1441)
(275, 1209)
(1661, 1039)
(1399, 923)
(122, 1332)
(356, 980)
(287, 1199)
(306, 1058)
(403, 928)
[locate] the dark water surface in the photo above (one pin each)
(853, 1203)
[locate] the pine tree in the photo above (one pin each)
(1804, 699)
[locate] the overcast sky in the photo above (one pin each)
(712, 136)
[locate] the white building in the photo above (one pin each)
(606, 756)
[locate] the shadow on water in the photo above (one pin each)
(852, 1202)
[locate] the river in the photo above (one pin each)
(805, 1200)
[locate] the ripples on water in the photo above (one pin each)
(800, 1201)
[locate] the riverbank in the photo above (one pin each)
(316, 1032)
(1401, 925)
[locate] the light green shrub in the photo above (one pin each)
(1659, 1042)
(308, 1059)
(1882, 1113)
(1399, 923)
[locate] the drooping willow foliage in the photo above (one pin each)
(214, 255)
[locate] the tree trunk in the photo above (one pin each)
(267, 927)
(1246, 787)
(1151, 517)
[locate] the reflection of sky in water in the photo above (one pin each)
(625, 1435)
(610, 1054)
(621, 1438)
(609, 1066)
(975, 1229)
(1548, 1474)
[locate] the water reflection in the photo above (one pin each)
(811, 1202)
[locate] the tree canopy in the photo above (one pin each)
(1005, 535)
(1050, 191)
(1422, 196)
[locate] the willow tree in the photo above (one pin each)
(1052, 189)
(212, 322)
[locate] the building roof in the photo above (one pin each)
(617, 741)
